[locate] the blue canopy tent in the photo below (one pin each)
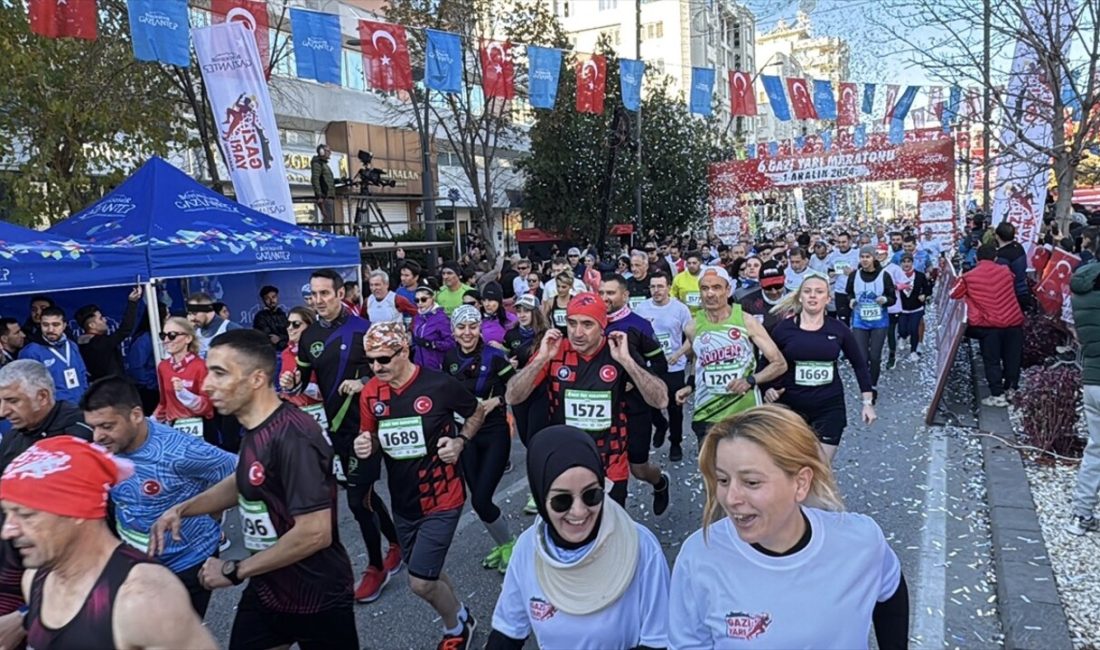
(44, 262)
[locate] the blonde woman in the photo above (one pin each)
(555, 307)
(182, 403)
(778, 564)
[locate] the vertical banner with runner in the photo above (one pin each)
(234, 76)
(1023, 169)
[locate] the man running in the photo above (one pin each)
(299, 576)
(169, 467)
(408, 413)
(638, 282)
(586, 377)
(332, 347)
(28, 403)
(85, 589)
(385, 305)
(669, 318)
(842, 262)
(685, 286)
(725, 345)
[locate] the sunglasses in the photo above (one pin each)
(171, 336)
(382, 361)
(295, 324)
(591, 497)
(423, 299)
(773, 289)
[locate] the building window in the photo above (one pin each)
(564, 9)
(606, 5)
(352, 74)
(653, 30)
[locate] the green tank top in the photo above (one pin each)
(723, 353)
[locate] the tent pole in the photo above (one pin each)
(153, 310)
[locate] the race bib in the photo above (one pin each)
(403, 438)
(634, 301)
(841, 266)
(666, 342)
(317, 412)
(72, 380)
(692, 299)
(338, 470)
(719, 375)
(190, 426)
(259, 533)
(559, 318)
(588, 410)
(813, 373)
(133, 538)
(870, 311)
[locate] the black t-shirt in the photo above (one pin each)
(485, 373)
(285, 470)
(409, 422)
(335, 353)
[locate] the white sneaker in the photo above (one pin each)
(995, 400)
(1079, 525)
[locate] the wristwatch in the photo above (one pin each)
(229, 572)
(751, 379)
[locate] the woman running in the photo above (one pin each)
(872, 291)
(812, 342)
(496, 322)
(777, 563)
(591, 276)
(484, 371)
(913, 291)
(298, 320)
(431, 331)
(555, 309)
(585, 575)
(522, 342)
(183, 405)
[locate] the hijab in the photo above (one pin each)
(550, 453)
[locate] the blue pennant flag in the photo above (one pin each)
(1071, 99)
(630, 80)
(868, 98)
(773, 86)
(824, 100)
(160, 31)
(905, 102)
(702, 90)
(827, 139)
(443, 62)
(544, 69)
(773, 147)
(951, 109)
(317, 45)
(860, 136)
(751, 149)
(799, 142)
(897, 130)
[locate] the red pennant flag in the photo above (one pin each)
(1054, 286)
(63, 18)
(591, 82)
(498, 72)
(847, 110)
(785, 148)
(844, 138)
(802, 102)
(254, 16)
(891, 99)
(385, 56)
(935, 101)
(762, 149)
(742, 98)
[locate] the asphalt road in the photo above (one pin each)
(922, 485)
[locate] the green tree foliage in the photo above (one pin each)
(76, 116)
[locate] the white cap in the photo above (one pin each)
(573, 251)
(718, 271)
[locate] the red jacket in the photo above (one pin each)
(192, 370)
(990, 296)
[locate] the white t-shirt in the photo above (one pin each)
(934, 249)
(550, 288)
(520, 286)
(638, 617)
(726, 594)
(819, 265)
(793, 279)
(898, 276)
(668, 325)
(840, 262)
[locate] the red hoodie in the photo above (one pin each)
(990, 296)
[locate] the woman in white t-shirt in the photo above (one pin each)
(584, 575)
(778, 564)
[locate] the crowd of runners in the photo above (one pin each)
(589, 362)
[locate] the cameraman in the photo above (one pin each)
(324, 184)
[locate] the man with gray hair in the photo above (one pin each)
(27, 402)
(383, 305)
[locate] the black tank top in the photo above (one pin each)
(91, 628)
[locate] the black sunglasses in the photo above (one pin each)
(422, 299)
(171, 336)
(382, 361)
(295, 324)
(591, 497)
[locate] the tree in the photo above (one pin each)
(76, 116)
(1067, 56)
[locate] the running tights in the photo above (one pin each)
(870, 341)
(373, 518)
(483, 465)
(892, 334)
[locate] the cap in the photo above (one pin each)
(906, 257)
(589, 305)
(717, 271)
(573, 251)
(492, 291)
(771, 275)
(882, 249)
(528, 302)
(424, 287)
(465, 314)
(64, 476)
(868, 249)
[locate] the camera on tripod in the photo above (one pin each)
(368, 175)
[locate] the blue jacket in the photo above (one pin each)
(60, 364)
(1014, 257)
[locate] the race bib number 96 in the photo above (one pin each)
(403, 438)
(256, 527)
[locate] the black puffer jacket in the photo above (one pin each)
(63, 419)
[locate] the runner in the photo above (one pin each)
(773, 518)
(408, 415)
(872, 291)
(798, 267)
(484, 371)
(893, 270)
(95, 591)
(812, 342)
(309, 399)
(60, 356)
(913, 292)
(725, 345)
(383, 304)
(28, 404)
(183, 405)
(558, 266)
(522, 343)
(332, 348)
(299, 576)
(431, 331)
(843, 262)
(669, 318)
(586, 376)
(450, 294)
(638, 282)
(496, 322)
(586, 575)
(685, 286)
(555, 307)
(772, 290)
(169, 467)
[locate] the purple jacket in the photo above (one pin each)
(493, 331)
(431, 338)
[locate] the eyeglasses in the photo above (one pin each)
(591, 497)
(382, 361)
(295, 324)
(171, 336)
(423, 299)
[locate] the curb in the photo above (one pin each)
(1031, 612)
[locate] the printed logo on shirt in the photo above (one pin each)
(565, 373)
(256, 474)
(423, 404)
(735, 333)
(379, 409)
(608, 373)
(47, 362)
(316, 349)
(740, 625)
(150, 488)
(454, 368)
(542, 610)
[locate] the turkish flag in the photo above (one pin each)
(891, 99)
(253, 14)
(63, 18)
(786, 147)
(742, 98)
(844, 139)
(847, 110)
(591, 82)
(498, 71)
(385, 56)
(1054, 286)
(802, 101)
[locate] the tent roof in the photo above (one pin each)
(187, 229)
(43, 262)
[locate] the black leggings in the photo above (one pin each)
(674, 424)
(367, 507)
(483, 466)
(892, 334)
(870, 341)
